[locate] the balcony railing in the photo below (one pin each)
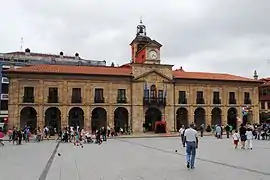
(200, 101)
(28, 99)
(216, 101)
(76, 99)
(121, 100)
(247, 101)
(99, 100)
(182, 101)
(159, 101)
(232, 101)
(53, 99)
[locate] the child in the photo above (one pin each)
(249, 135)
(236, 138)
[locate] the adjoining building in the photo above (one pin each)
(133, 95)
(20, 59)
(264, 97)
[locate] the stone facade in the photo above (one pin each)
(159, 75)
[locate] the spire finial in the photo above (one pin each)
(141, 20)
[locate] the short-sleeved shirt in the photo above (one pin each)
(191, 135)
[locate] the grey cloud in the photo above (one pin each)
(211, 35)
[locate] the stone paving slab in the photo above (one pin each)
(24, 162)
(132, 159)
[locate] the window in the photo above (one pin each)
(28, 96)
(160, 94)
(153, 91)
(146, 93)
(200, 99)
(262, 104)
(76, 95)
(247, 98)
(232, 99)
(216, 99)
(99, 95)
(4, 89)
(4, 105)
(182, 97)
(121, 96)
(53, 95)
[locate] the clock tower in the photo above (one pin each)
(143, 48)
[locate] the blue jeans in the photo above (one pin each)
(191, 153)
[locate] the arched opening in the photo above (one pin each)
(216, 116)
(199, 117)
(121, 119)
(76, 117)
(181, 118)
(99, 118)
(53, 118)
(28, 117)
(232, 117)
(152, 115)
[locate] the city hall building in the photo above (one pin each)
(144, 91)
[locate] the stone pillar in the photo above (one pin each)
(208, 116)
(191, 115)
(87, 118)
(256, 114)
(110, 116)
(169, 117)
(224, 111)
(64, 116)
(137, 118)
(40, 116)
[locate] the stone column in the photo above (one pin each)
(87, 117)
(110, 116)
(40, 116)
(169, 117)
(191, 114)
(64, 116)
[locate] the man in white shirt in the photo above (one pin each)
(181, 133)
(191, 140)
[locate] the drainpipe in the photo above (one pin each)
(131, 106)
(174, 104)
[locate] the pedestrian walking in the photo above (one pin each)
(249, 136)
(191, 141)
(236, 138)
(181, 133)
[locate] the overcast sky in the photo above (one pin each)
(231, 36)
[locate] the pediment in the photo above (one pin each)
(153, 76)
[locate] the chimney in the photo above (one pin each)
(61, 54)
(27, 51)
(77, 56)
(255, 76)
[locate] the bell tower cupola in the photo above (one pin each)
(143, 48)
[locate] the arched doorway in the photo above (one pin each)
(53, 118)
(199, 117)
(28, 117)
(99, 118)
(76, 117)
(121, 119)
(216, 116)
(152, 115)
(181, 118)
(232, 117)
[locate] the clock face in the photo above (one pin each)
(153, 54)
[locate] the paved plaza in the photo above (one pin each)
(134, 159)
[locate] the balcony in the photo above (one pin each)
(182, 101)
(264, 97)
(53, 99)
(4, 96)
(28, 99)
(99, 100)
(76, 99)
(247, 101)
(216, 101)
(232, 101)
(121, 100)
(200, 101)
(158, 101)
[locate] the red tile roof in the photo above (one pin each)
(124, 70)
(181, 74)
(80, 70)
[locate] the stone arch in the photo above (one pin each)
(199, 117)
(152, 115)
(28, 117)
(99, 118)
(181, 118)
(216, 116)
(232, 117)
(53, 118)
(76, 117)
(120, 119)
